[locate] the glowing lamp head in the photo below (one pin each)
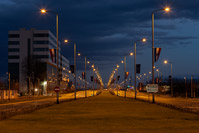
(88, 62)
(43, 11)
(66, 41)
(79, 54)
(131, 54)
(94, 69)
(144, 40)
(165, 62)
(167, 9)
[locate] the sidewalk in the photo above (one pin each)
(183, 104)
(14, 108)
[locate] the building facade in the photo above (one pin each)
(32, 61)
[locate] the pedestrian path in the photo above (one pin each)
(103, 113)
(188, 105)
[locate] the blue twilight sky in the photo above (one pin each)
(105, 31)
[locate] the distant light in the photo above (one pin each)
(144, 40)
(131, 54)
(149, 72)
(88, 62)
(157, 70)
(122, 62)
(79, 54)
(144, 74)
(36, 89)
(165, 62)
(118, 66)
(43, 11)
(64, 68)
(45, 83)
(69, 71)
(66, 41)
(93, 66)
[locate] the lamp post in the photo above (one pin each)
(44, 11)
(166, 62)
(167, 9)
(142, 40)
(75, 78)
(117, 79)
(157, 70)
(8, 84)
(93, 81)
(185, 80)
(85, 78)
(125, 76)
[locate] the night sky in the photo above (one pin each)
(105, 31)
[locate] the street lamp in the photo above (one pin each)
(142, 40)
(93, 80)
(125, 75)
(66, 41)
(44, 11)
(166, 62)
(117, 78)
(8, 84)
(167, 9)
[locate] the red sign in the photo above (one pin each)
(56, 89)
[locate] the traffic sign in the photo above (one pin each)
(56, 89)
(152, 88)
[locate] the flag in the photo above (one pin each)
(53, 55)
(118, 78)
(138, 67)
(83, 75)
(91, 78)
(126, 75)
(157, 53)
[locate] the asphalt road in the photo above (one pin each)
(103, 113)
(80, 94)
